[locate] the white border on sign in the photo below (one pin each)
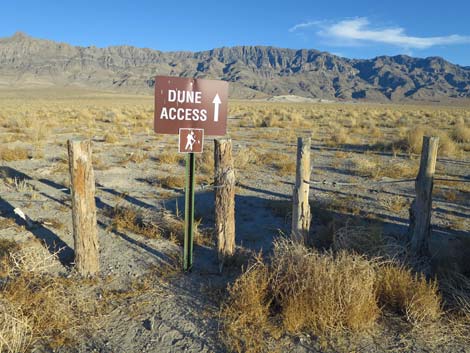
(179, 139)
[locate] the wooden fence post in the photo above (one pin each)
(421, 207)
(300, 206)
(85, 233)
(224, 183)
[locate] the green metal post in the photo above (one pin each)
(189, 213)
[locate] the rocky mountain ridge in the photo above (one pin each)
(254, 71)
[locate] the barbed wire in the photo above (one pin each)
(211, 186)
(337, 183)
(378, 182)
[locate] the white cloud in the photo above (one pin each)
(304, 25)
(358, 30)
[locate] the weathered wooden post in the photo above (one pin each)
(300, 206)
(421, 207)
(224, 183)
(85, 234)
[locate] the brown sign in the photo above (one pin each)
(190, 103)
(191, 140)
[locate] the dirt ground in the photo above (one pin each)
(178, 312)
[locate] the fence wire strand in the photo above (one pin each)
(211, 186)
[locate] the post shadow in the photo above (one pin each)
(104, 206)
(267, 192)
(8, 172)
(130, 199)
(53, 243)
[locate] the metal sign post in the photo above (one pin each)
(189, 213)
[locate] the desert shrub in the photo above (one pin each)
(274, 117)
(6, 247)
(315, 290)
(154, 225)
(408, 294)
(109, 137)
(339, 136)
(365, 240)
(461, 133)
(281, 162)
(205, 162)
(170, 158)
(135, 157)
(398, 169)
(394, 203)
(173, 181)
(13, 154)
(50, 305)
(245, 315)
(376, 168)
(244, 157)
(15, 330)
(362, 166)
(301, 290)
(413, 141)
(447, 147)
(36, 307)
(133, 219)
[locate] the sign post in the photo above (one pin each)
(190, 108)
(189, 213)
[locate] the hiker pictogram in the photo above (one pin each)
(191, 140)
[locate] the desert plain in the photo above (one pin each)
(354, 286)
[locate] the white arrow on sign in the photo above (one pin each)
(216, 102)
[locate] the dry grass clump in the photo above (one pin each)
(282, 119)
(283, 163)
(173, 181)
(246, 314)
(376, 168)
(36, 307)
(244, 157)
(13, 154)
(456, 290)
(362, 166)
(339, 136)
(15, 330)
(409, 294)
(153, 224)
(133, 219)
(205, 162)
(412, 141)
(33, 258)
(109, 137)
(366, 240)
(320, 292)
(301, 290)
(273, 116)
(170, 158)
(461, 133)
(7, 247)
(51, 306)
(394, 203)
(398, 169)
(135, 157)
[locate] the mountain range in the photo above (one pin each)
(253, 71)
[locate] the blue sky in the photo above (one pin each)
(356, 29)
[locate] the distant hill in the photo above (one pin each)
(254, 71)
